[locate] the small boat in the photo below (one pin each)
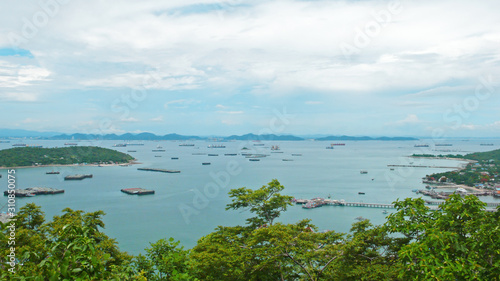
(360, 218)
(158, 150)
(52, 173)
(119, 145)
(186, 144)
(286, 159)
(363, 172)
(30, 195)
(296, 154)
(421, 145)
(392, 169)
(254, 159)
(213, 154)
(414, 190)
(205, 163)
(131, 150)
(361, 193)
(157, 155)
(175, 158)
(329, 147)
(384, 212)
(70, 143)
(230, 154)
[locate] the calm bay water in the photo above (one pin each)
(191, 204)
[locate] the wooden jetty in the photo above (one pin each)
(319, 202)
(158, 170)
(77, 177)
(137, 191)
(32, 191)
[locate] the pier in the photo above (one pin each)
(319, 202)
(158, 170)
(77, 177)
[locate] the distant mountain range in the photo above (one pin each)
(343, 138)
(6, 133)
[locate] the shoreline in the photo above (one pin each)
(455, 186)
(131, 162)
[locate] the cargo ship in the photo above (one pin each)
(19, 144)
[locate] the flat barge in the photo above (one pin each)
(32, 191)
(78, 177)
(137, 191)
(158, 170)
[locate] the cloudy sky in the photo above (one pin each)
(396, 68)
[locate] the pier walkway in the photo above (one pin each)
(318, 202)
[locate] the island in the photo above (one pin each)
(36, 156)
(482, 171)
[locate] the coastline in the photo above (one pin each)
(131, 162)
(455, 186)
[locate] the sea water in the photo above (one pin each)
(190, 204)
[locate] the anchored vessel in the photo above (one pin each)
(137, 191)
(32, 191)
(77, 177)
(158, 170)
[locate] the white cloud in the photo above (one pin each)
(181, 102)
(18, 75)
(157, 119)
(313, 102)
(18, 97)
(410, 119)
(129, 120)
(230, 112)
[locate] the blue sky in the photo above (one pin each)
(207, 67)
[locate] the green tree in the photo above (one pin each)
(266, 202)
(458, 242)
(165, 260)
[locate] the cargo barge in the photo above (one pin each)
(32, 191)
(158, 170)
(78, 177)
(137, 191)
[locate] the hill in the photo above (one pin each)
(32, 156)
